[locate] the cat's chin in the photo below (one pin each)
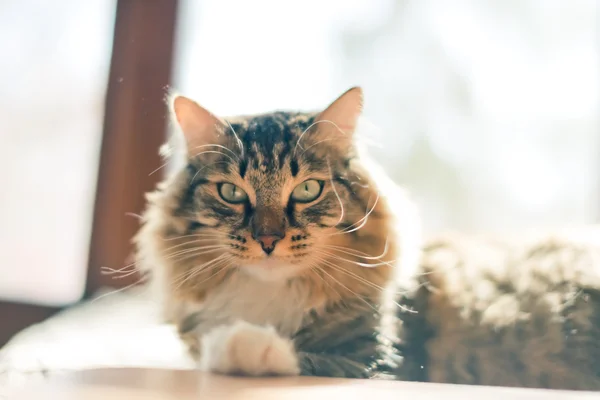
(271, 270)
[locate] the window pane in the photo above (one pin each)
(487, 110)
(54, 68)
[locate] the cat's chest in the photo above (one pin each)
(280, 304)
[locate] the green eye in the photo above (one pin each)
(232, 194)
(307, 191)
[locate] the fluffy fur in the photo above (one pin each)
(492, 312)
(314, 305)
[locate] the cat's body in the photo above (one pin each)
(277, 248)
(493, 311)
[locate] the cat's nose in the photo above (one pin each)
(267, 242)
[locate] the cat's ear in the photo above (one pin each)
(199, 126)
(342, 114)
(338, 122)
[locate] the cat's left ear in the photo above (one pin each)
(199, 126)
(338, 121)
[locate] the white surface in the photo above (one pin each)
(119, 330)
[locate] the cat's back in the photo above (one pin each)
(513, 312)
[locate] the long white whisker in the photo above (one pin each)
(357, 263)
(216, 262)
(368, 283)
(199, 268)
(197, 252)
(310, 126)
(358, 253)
(120, 289)
(221, 147)
(239, 142)
(350, 290)
(362, 221)
(315, 268)
(159, 168)
(206, 166)
(314, 144)
(214, 152)
(203, 235)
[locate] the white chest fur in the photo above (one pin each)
(279, 303)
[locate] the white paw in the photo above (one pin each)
(243, 348)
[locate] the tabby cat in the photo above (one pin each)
(272, 243)
(279, 248)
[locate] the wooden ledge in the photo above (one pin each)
(148, 384)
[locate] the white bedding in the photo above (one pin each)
(117, 330)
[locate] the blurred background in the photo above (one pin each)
(486, 110)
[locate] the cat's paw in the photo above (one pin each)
(243, 348)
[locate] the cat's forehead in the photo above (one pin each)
(270, 140)
(266, 130)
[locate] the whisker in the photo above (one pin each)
(206, 166)
(219, 268)
(315, 268)
(207, 235)
(314, 144)
(214, 152)
(198, 268)
(111, 271)
(125, 275)
(196, 252)
(120, 289)
(368, 283)
(358, 263)
(219, 146)
(239, 142)
(358, 253)
(131, 268)
(310, 126)
(191, 242)
(217, 262)
(134, 215)
(159, 168)
(351, 291)
(362, 221)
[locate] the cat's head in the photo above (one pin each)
(276, 196)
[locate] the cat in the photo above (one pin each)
(273, 247)
(278, 247)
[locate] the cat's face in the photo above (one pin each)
(274, 196)
(270, 199)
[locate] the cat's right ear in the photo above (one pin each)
(200, 128)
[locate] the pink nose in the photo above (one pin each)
(267, 242)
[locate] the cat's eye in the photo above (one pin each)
(307, 191)
(232, 194)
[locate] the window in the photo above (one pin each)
(487, 110)
(54, 68)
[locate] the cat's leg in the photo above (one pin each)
(246, 349)
(243, 348)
